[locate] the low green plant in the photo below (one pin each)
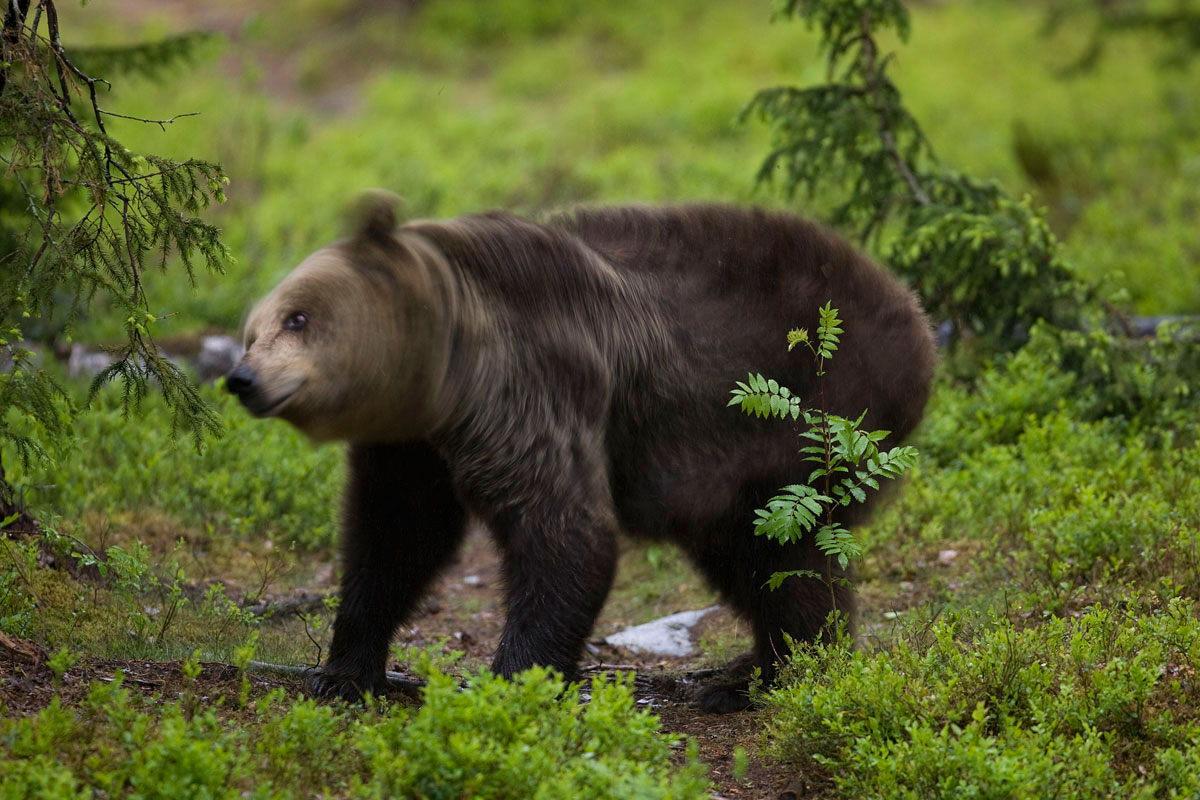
(18, 563)
(526, 738)
(60, 662)
(849, 461)
(1093, 706)
(1062, 511)
(423, 660)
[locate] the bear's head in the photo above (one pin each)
(354, 343)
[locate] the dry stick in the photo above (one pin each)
(14, 20)
(598, 667)
(37, 20)
(1121, 319)
(162, 123)
(304, 602)
(706, 672)
(60, 57)
(394, 680)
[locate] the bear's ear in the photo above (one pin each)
(374, 215)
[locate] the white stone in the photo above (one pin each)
(668, 636)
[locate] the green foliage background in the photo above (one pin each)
(1058, 643)
(622, 102)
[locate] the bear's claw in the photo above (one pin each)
(325, 683)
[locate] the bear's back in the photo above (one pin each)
(729, 284)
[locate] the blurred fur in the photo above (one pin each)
(566, 381)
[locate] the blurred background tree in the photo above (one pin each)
(984, 261)
(986, 265)
(1175, 23)
(83, 216)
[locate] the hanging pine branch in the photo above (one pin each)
(83, 216)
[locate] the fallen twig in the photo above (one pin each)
(304, 602)
(707, 672)
(394, 679)
(598, 667)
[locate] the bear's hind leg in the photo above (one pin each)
(800, 607)
(401, 525)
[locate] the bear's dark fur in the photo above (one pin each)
(587, 368)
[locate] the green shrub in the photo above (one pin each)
(1065, 505)
(529, 738)
(524, 740)
(17, 606)
(260, 479)
(1071, 708)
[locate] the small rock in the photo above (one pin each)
(218, 355)
(907, 586)
(668, 636)
(85, 363)
(431, 606)
(947, 556)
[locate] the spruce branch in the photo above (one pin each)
(93, 217)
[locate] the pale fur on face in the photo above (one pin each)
(370, 363)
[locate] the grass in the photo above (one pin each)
(1091, 706)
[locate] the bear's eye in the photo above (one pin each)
(296, 321)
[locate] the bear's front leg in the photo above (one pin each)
(558, 567)
(401, 525)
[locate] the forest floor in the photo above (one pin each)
(463, 614)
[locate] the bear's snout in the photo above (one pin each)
(261, 397)
(242, 381)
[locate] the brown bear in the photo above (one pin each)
(562, 382)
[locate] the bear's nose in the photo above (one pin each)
(241, 381)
